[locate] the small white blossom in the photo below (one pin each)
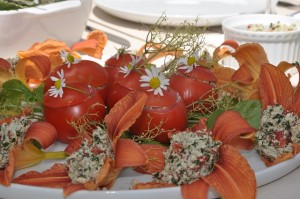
(59, 84)
(68, 58)
(134, 60)
(155, 80)
(188, 63)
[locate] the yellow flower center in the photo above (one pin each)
(57, 84)
(154, 82)
(191, 61)
(129, 66)
(70, 58)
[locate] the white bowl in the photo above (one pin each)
(64, 21)
(279, 46)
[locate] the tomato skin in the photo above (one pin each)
(167, 112)
(86, 72)
(122, 86)
(194, 85)
(113, 64)
(72, 106)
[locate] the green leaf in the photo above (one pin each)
(39, 93)
(16, 91)
(251, 111)
(213, 117)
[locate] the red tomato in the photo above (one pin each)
(86, 72)
(193, 86)
(122, 86)
(72, 106)
(113, 64)
(161, 116)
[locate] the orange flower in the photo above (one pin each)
(243, 81)
(18, 146)
(278, 138)
(36, 63)
(103, 147)
(207, 159)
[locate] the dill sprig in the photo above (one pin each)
(172, 43)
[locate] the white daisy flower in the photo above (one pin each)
(68, 58)
(188, 63)
(59, 84)
(127, 69)
(155, 80)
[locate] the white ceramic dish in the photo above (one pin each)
(279, 46)
(209, 12)
(64, 21)
(121, 190)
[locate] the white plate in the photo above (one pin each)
(121, 190)
(209, 12)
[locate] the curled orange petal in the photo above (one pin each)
(71, 188)
(195, 190)
(242, 76)
(129, 154)
(50, 48)
(229, 181)
(93, 45)
(106, 176)
(6, 174)
(296, 97)
(124, 114)
(275, 87)
(42, 132)
(231, 124)
(55, 177)
(32, 71)
(155, 158)
(250, 57)
(151, 185)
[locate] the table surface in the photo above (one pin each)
(126, 33)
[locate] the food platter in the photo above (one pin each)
(121, 190)
(148, 11)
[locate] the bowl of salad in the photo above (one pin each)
(278, 34)
(24, 22)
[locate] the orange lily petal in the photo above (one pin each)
(129, 154)
(296, 98)
(275, 87)
(7, 173)
(32, 71)
(233, 177)
(229, 125)
(106, 176)
(195, 190)
(279, 159)
(151, 185)
(5, 71)
(155, 158)
(43, 132)
(50, 48)
(124, 114)
(93, 45)
(242, 76)
(71, 188)
(250, 57)
(55, 177)
(75, 144)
